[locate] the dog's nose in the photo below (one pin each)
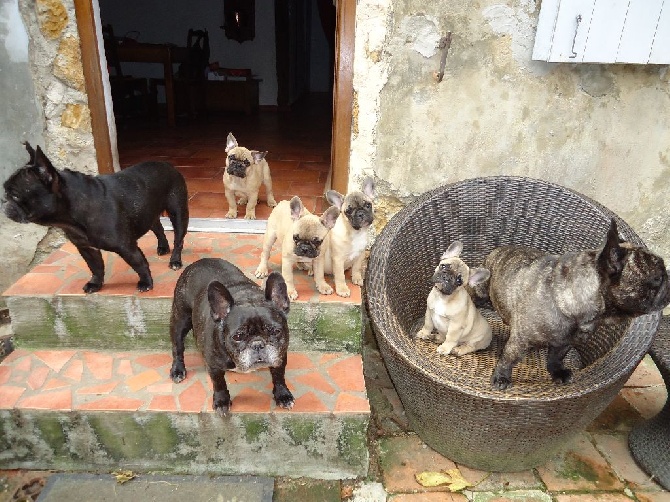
(257, 345)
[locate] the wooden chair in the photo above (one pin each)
(130, 95)
(191, 77)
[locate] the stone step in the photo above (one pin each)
(79, 410)
(49, 309)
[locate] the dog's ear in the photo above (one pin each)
(258, 156)
(47, 171)
(478, 275)
(276, 292)
(220, 301)
(31, 152)
(335, 198)
(453, 250)
(231, 142)
(329, 218)
(612, 257)
(296, 208)
(369, 187)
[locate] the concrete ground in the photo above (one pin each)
(596, 466)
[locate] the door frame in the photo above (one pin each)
(343, 91)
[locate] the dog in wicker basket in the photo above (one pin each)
(450, 312)
(554, 300)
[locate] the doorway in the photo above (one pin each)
(307, 143)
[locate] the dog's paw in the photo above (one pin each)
(178, 374)
(445, 349)
(162, 250)
(357, 280)
(261, 272)
(250, 215)
(563, 375)
(500, 382)
(324, 289)
(343, 291)
(92, 287)
(292, 294)
(284, 398)
(144, 286)
(424, 334)
(271, 201)
(461, 350)
(176, 265)
(221, 407)
(231, 214)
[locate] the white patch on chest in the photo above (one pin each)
(358, 244)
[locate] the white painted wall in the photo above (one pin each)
(168, 21)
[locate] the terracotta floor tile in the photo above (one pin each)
(55, 383)
(648, 401)
(5, 373)
(141, 380)
(99, 364)
(54, 359)
(233, 377)
(307, 403)
(162, 403)
(37, 377)
(316, 381)
(124, 368)
(51, 400)
(298, 360)
(112, 403)
(74, 370)
(434, 497)
(251, 400)
(193, 397)
(104, 388)
(9, 395)
(25, 363)
(615, 449)
(154, 361)
(164, 387)
(348, 374)
(347, 403)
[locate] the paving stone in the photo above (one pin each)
(616, 451)
(428, 497)
(579, 467)
(525, 495)
(619, 416)
(646, 374)
(306, 490)
(501, 481)
(401, 458)
(645, 496)
(368, 492)
(648, 401)
(593, 497)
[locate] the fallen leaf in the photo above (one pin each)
(123, 476)
(453, 478)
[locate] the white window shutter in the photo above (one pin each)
(604, 31)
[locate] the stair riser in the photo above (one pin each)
(322, 446)
(98, 322)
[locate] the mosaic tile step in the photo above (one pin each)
(77, 409)
(49, 309)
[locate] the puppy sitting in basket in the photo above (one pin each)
(460, 327)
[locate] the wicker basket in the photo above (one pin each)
(449, 400)
(650, 439)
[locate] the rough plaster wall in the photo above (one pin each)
(58, 77)
(603, 130)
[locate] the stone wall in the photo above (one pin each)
(58, 77)
(599, 129)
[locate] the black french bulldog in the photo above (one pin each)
(109, 212)
(553, 300)
(237, 326)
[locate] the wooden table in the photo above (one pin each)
(168, 55)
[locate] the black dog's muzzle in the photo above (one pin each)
(359, 218)
(237, 167)
(307, 249)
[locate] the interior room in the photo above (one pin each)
(184, 75)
